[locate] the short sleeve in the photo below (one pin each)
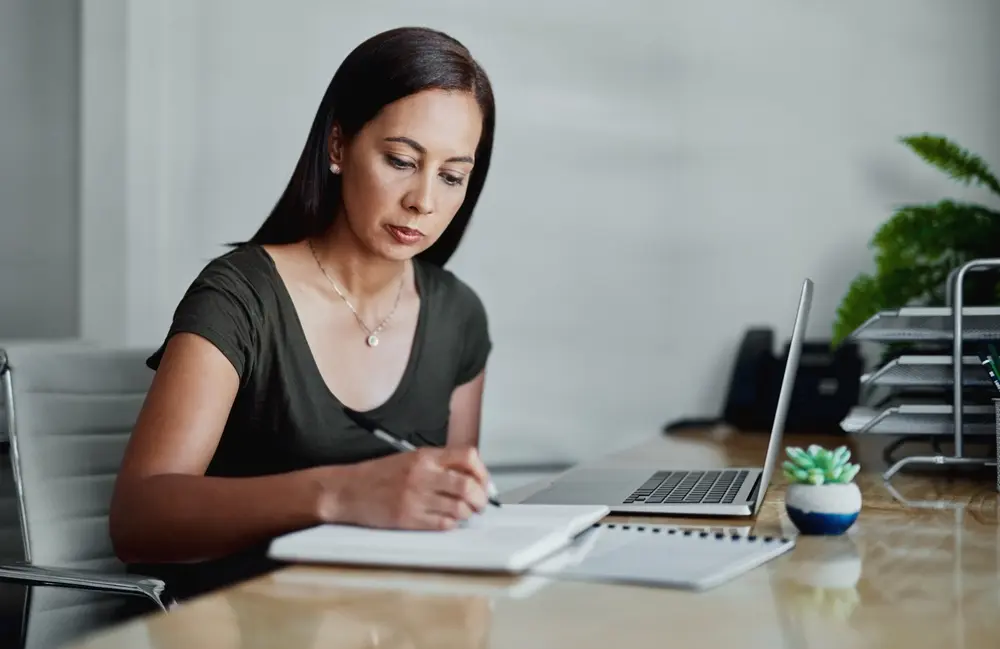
(220, 306)
(476, 342)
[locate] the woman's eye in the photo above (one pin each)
(398, 163)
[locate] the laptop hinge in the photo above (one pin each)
(752, 496)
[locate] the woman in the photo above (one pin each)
(338, 302)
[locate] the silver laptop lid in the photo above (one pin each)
(774, 447)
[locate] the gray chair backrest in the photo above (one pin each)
(73, 409)
(73, 412)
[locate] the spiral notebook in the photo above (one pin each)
(661, 555)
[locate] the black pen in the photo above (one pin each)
(402, 445)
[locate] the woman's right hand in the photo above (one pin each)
(430, 488)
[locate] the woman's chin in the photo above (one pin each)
(390, 252)
(392, 249)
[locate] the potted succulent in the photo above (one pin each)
(822, 497)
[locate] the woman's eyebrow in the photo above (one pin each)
(420, 148)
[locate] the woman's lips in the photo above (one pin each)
(404, 235)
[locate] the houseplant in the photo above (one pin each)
(920, 244)
(822, 497)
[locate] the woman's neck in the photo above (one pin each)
(358, 272)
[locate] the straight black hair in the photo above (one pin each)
(383, 69)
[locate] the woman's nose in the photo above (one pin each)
(420, 199)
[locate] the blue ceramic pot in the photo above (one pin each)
(828, 509)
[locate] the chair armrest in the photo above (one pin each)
(125, 584)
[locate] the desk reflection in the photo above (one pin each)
(302, 617)
(921, 574)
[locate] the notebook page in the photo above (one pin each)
(662, 558)
(510, 524)
(568, 518)
(498, 538)
(464, 539)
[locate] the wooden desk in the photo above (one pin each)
(904, 576)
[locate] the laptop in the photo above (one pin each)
(734, 492)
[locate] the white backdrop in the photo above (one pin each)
(665, 173)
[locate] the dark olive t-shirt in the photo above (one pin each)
(284, 417)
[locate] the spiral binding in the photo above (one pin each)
(680, 531)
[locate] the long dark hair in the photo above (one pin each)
(383, 69)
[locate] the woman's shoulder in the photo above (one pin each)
(448, 292)
(246, 265)
(227, 303)
(460, 319)
(244, 275)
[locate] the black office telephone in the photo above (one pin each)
(827, 386)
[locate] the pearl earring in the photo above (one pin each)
(334, 168)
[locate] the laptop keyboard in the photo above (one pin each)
(710, 487)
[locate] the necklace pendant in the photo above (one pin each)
(372, 340)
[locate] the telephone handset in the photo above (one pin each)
(827, 386)
(751, 396)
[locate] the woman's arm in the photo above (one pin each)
(466, 413)
(164, 508)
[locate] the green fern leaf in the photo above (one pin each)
(952, 159)
(915, 249)
(861, 302)
(923, 233)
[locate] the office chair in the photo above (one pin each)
(69, 411)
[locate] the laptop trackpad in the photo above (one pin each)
(591, 487)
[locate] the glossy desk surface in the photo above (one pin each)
(906, 575)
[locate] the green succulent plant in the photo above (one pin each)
(817, 465)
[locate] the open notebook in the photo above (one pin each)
(507, 539)
(661, 555)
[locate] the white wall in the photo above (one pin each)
(665, 173)
(103, 187)
(39, 86)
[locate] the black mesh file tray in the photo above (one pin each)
(921, 419)
(914, 324)
(925, 371)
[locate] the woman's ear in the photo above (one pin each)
(335, 149)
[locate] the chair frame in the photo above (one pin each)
(30, 574)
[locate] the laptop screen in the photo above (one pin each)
(787, 386)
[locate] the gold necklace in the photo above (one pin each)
(372, 339)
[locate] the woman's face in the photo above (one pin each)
(405, 174)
